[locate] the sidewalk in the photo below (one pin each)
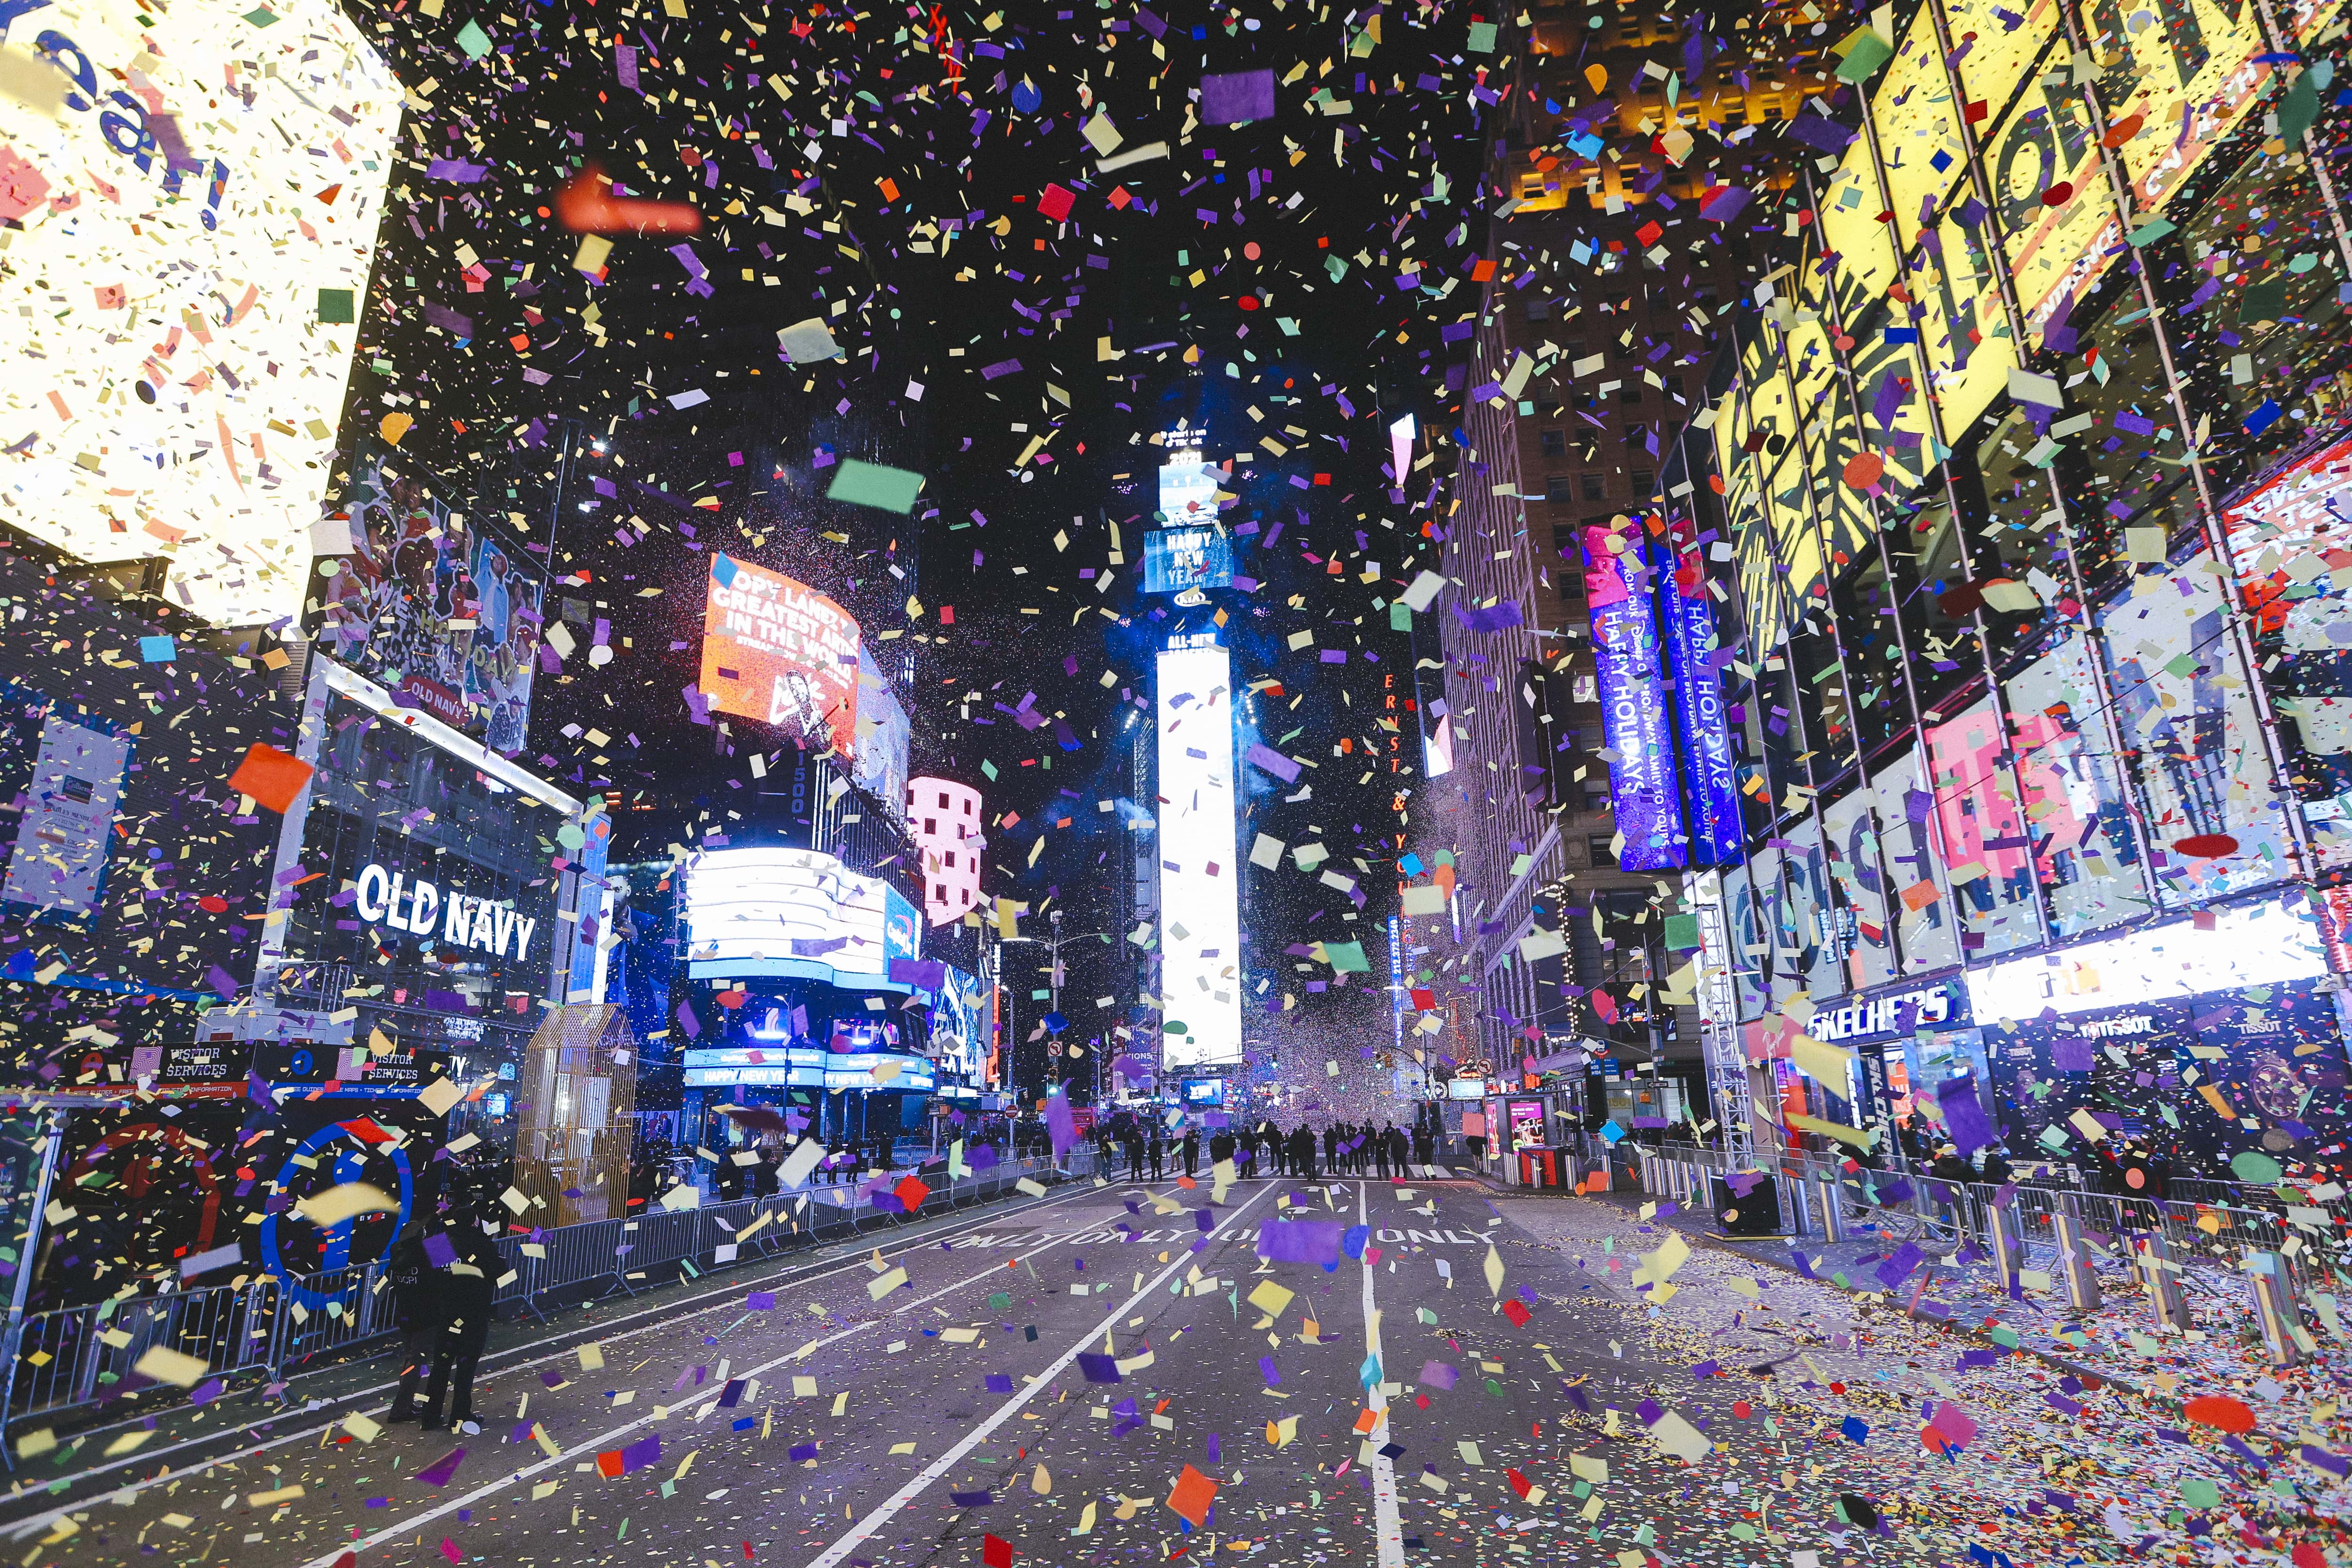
(105, 1452)
(1928, 1434)
(2119, 1342)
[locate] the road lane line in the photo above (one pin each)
(594, 1444)
(923, 1479)
(1387, 1527)
(600, 1333)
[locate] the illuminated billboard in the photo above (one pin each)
(1710, 768)
(777, 650)
(192, 197)
(1633, 712)
(1175, 559)
(1200, 889)
(1188, 489)
(432, 605)
(794, 913)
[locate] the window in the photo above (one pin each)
(1538, 310)
(1603, 855)
(1560, 487)
(1555, 443)
(943, 797)
(1637, 434)
(1645, 484)
(1595, 487)
(1630, 394)
(1566, 538)
(1675, 388)
(950, 857)
(1585, 686)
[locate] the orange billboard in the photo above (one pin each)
(777, 650)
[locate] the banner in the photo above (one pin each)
(1710, 775)
(1633, 716)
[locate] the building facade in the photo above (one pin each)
(945, 821)
(1640, 166)
(2026, 461)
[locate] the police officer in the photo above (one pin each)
(462, 1301)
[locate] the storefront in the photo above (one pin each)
(811, 993)
(2197, 1041)
(422, 881)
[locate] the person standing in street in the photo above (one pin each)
(466, 1289)
(412, 1300)
(1192, 1152)
(1159, 1155)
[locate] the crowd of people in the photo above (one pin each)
(1265, 1150)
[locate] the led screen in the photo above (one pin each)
(423, 600)
(1200, 894)
(1175, 559)
(793, 911)
(191, 196)
(1188, 490)
(778, 650)
(1633, 712)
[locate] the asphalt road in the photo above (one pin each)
(1377, 1414)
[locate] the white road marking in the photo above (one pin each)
(600, 1333)
(833, 1556)
(1387, 1527)
(594, 1444)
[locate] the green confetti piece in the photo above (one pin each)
(2151, 231)
(872, 484)
(473, 40)
(261, 17)
(337, 307)
(1864, 52)
(2255, 1168)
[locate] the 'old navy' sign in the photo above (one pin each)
(1890, 1012)
(462, 920)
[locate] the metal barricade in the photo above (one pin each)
(78, 1356)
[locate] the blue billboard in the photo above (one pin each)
(1710, 774)
(1175, 559)
(1633, 717)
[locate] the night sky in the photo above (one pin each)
(1253, 281)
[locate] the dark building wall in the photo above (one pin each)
(182, 892)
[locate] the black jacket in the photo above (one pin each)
(406, 1265)
(461, 1298)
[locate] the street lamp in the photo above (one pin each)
(1054, 975)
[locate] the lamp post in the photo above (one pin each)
(1054, 974)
